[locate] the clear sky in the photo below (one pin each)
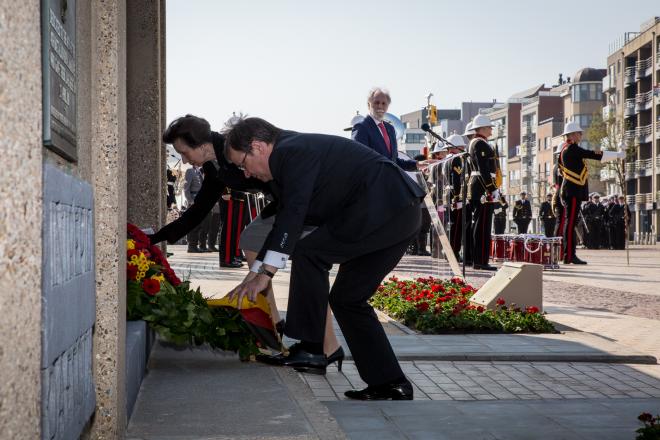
(308, 65)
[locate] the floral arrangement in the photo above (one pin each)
(651, 429)
(179, 314)
(433, 306)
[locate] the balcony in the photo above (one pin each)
(629, 136)
(643, 68)
(643, 167)
(629, 108)
(607, 174)
(643, 101)
(608, 83)
(629, 76)
(643, 134)
(657, 164)
(525, 173)
(630, 170)
(643, 198)
(630, 200)
(657, 60)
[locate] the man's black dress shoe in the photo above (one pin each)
(213, 249)
(394, 391)
(575, 260)
(299, 359)
(193, 250)
(233, 264)
(484, 267)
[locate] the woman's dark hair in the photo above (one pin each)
(240, 134)
(193, 130)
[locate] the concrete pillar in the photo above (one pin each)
(146, 153)
(108, 141)
(20, 219)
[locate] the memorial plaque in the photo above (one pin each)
(58, 65)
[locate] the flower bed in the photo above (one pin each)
(179, 314)
(435, 306)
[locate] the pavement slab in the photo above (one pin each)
(570, 420)
(204, 394)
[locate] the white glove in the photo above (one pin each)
(496, 194)
(609, 156)
(459, 205)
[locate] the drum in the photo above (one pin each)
(533, 248)
(517, 248)
(498, 247)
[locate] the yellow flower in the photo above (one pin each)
(134, 260)
(160, 277)
(140, 275)
(130, 244)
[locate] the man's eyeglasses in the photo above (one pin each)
(242, 165)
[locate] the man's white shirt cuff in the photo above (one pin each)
(276, 259)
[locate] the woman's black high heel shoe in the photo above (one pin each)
(279, 327)
(338, 356)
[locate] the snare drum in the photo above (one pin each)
(533, 248)
(498, 247)
(517, 248)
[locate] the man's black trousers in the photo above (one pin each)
(362, 267)
(482, 223)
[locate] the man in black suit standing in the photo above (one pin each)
(366, 211)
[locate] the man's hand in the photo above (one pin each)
(423, 164)
(252, 285)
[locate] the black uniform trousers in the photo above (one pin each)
(232, 223)
(214, 228)
(549, 226)
(499, 224)
(571, 212)
(522, 224)
(362, 266)
(482, 222)
(469, 246)
(456, 230)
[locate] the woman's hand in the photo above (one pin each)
(252, 285)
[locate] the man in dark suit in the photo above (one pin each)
(367, 211)
(377, 134)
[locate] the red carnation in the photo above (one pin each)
(422, 307)
(532, 309)
(480, 309)
(131, 271)
(151, 286)
(500, 301)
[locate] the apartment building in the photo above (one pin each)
(632, 87)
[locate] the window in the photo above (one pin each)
(618, 67)
(415, 138)
(583, 120)
(587, 92)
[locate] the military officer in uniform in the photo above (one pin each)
(499, 216)
(522, 213)
(547, 216)
(482, 190)
(453, 168)
(575, 183)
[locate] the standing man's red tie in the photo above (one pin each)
(387, 138)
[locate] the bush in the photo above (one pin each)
(435, 306)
